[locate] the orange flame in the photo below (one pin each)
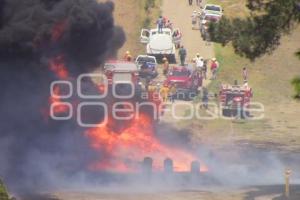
(58, 30)
(56, 100)
(57, 66)
(123, 151)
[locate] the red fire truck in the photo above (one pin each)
(124, 76)
(235, 99)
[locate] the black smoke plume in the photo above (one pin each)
(35, 151)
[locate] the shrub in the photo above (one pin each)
(296, 84)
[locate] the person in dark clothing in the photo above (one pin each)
(190, 2)
(182, 55)
(204, 70)
(205, 98)
(160, 24)
(245, 74)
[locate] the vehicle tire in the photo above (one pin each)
(226, 112)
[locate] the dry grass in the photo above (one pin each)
(232, 8)
(130, 15)
(270, 78)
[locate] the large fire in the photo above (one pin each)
(123, 151)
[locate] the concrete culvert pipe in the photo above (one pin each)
(168, 166)
(195, 167)
(147, 165)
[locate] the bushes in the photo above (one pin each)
(147, 22)
(149, 4)
(3, 192)
(150, 12)
(259, 33)
(296, 84)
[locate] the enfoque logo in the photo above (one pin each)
(123, 109)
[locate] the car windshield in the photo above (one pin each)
(213, 8)
(145, 59)
(182, 73)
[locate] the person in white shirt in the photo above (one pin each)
(199, 62)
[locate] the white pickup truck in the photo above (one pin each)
(161, 44)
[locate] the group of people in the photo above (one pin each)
(163, 22)
(166, 92)
(201, 64)
(198, 2)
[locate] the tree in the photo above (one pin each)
(298, 54)
(3, 192)
(259, 33)
(296, 81)
(296, 84)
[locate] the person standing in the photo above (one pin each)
(213, 67)
(245, 75)
(198, 2)
(204, 70)
(160, 24)
(173, 91)
(127, 54)
(205, 98)
(182, 55)
(169, 25)
(199, 63)
(165, 68)
(164, 92)
(194, 19)
(190, 2)
(190, 66)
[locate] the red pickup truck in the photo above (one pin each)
(187, 82)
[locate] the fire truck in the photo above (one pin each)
(124, 77)
(235, 99)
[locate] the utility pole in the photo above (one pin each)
(287, 182)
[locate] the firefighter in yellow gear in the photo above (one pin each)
(164, 92)
(151, 88)
(151, 91)
(127, 56)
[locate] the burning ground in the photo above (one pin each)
(47, 40)
(42, 41)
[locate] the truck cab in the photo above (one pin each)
(123, 76)
(235, 99)
(161, 44)
(212, 9)
(205, 20)
(147, 66)
(187, 82)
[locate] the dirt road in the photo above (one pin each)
(179, 12)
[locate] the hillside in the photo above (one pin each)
(270, 78)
